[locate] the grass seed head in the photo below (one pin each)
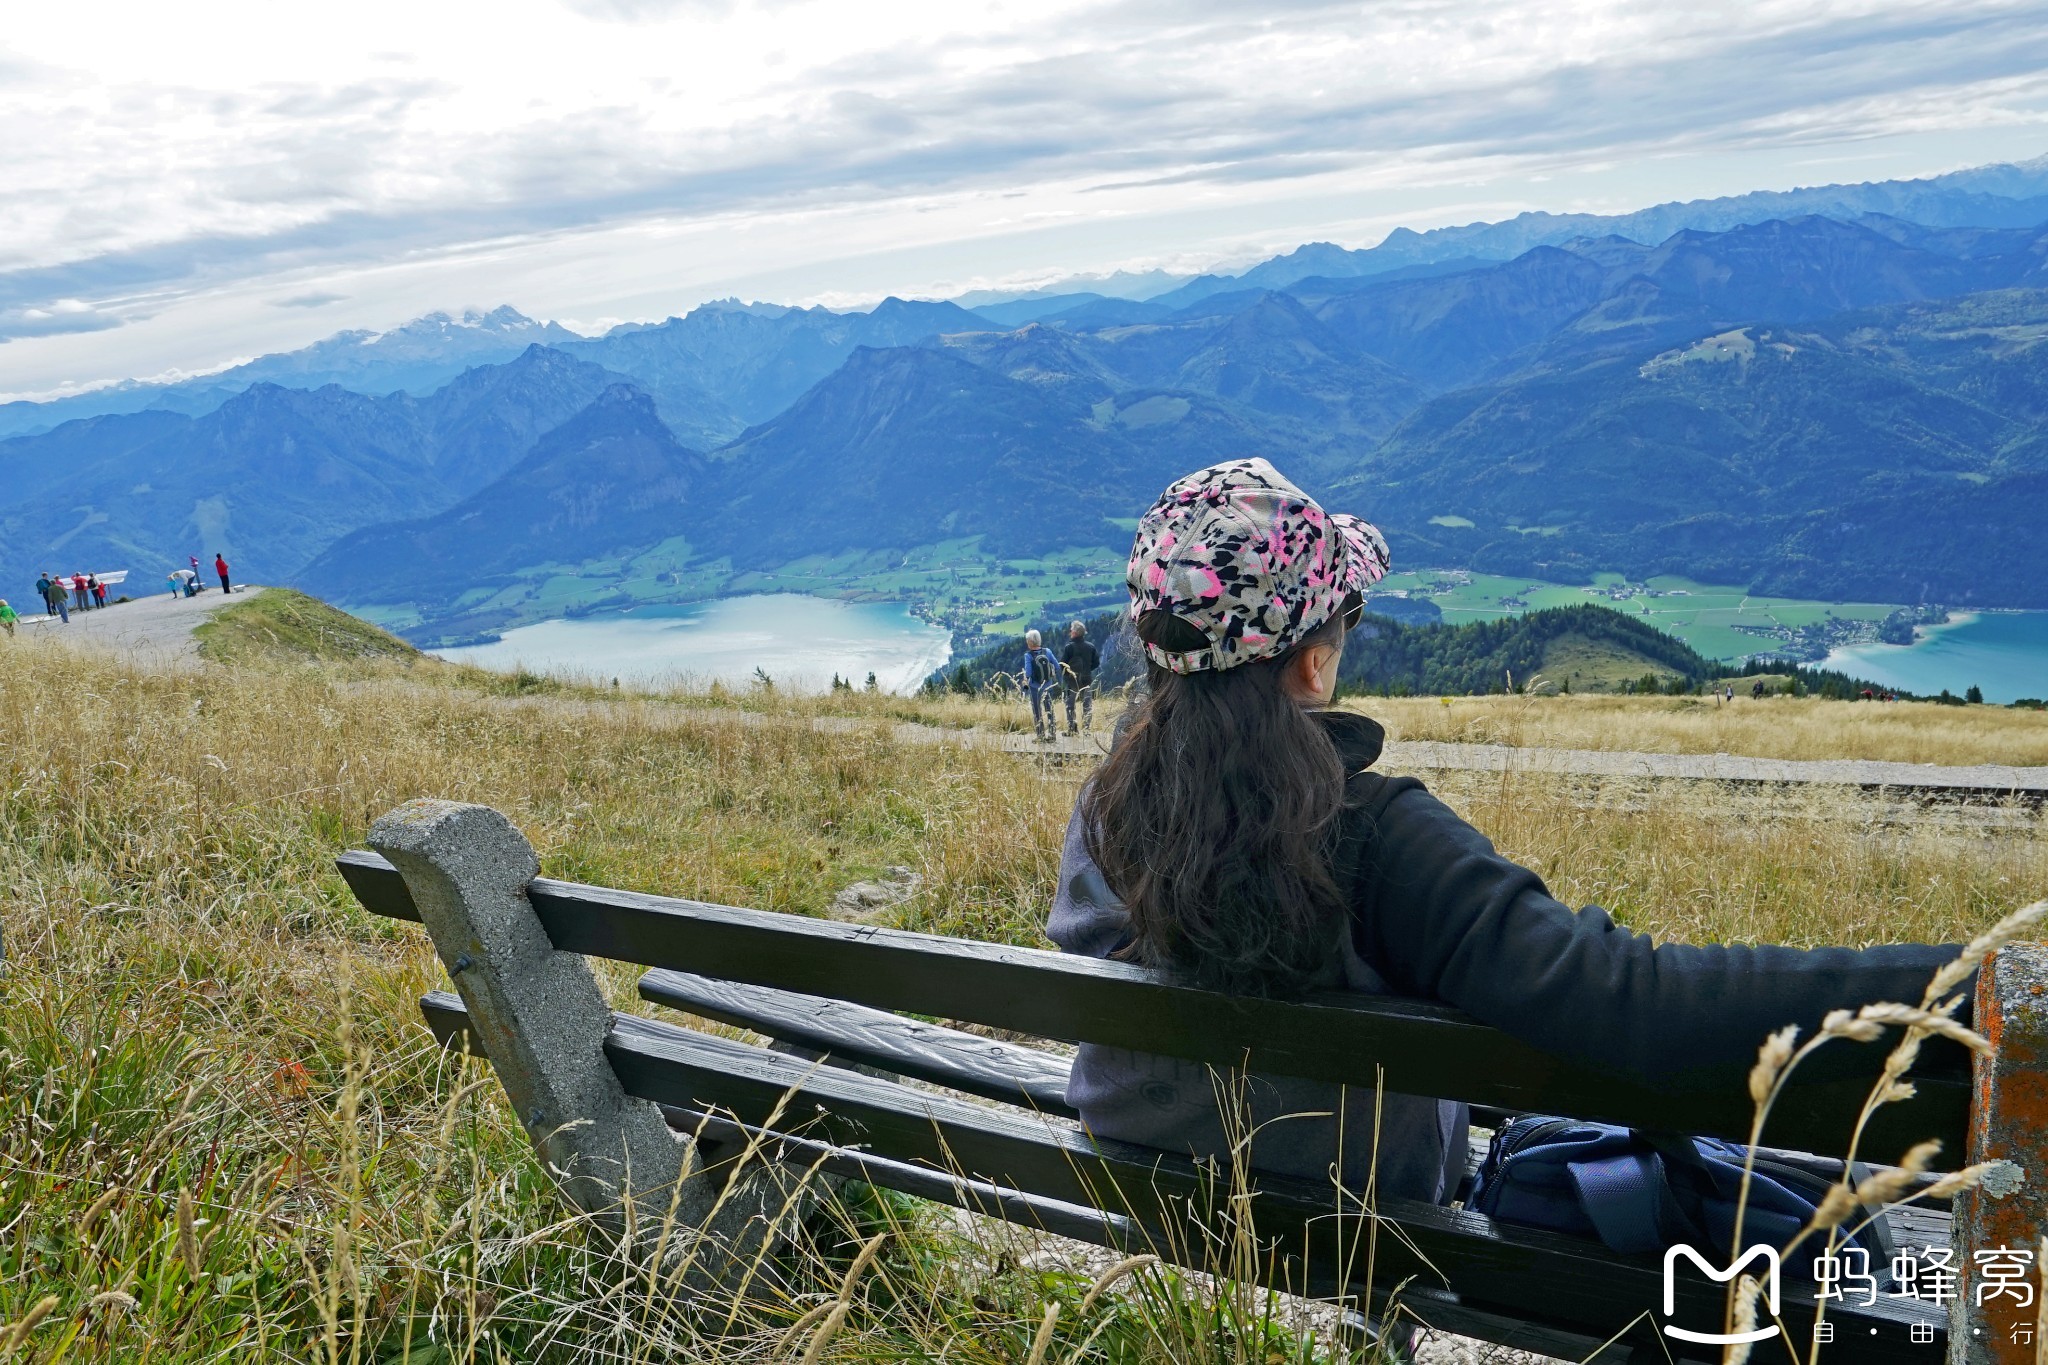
(1846, 1024)
(1746, 1291)
(1839, 1202)
(19, 1332)
(188, 1243)
(1983, 946)
(1926, 1021)
(1771, 1060)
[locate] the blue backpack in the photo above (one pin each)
(1041, 669)
(1642, 1192)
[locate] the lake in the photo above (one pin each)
(798, 641)
(2003, 652)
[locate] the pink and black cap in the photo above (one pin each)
(1249, 559)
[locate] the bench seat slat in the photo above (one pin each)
(856, 1034)
(1076, 1221)
(1914, 1225)
(1436, 1309)
(1418, 1047)
(1497, 1272)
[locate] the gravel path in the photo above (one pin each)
(1986, 782)
(1926, 780)
(1983, 780)
(156, 629)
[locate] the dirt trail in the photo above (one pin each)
(155, 630)
(1985, 781)
(1900, 781)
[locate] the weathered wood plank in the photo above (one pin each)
(856, 1034)
(1419, 1047)
(377, 885)
(1514, 1286)
(2002, 1225)
(1524, 1274)
(1077, 1221)
(1916, 1225)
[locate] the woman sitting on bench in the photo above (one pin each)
(1237, 837)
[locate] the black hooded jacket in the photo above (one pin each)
(1437, 914)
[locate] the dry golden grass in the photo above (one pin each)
(197, 1017)
(1776, 727)
(206, 1047)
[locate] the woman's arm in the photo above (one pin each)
(1445, 916)
(1087, 918)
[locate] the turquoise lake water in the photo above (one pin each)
(798, 641)
(2003, 652)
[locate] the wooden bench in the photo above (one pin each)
(989, 1129)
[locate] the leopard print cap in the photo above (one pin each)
(1239, 551)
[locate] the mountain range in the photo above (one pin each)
(417, 358)
(1832, 393)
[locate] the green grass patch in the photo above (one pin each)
(1721, 622)
(1590, 665)
(280, 623)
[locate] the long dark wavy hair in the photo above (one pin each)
(1215, 820)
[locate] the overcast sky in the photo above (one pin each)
(185, 185)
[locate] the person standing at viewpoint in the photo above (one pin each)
(1078, 662)
(1041, 675)
(84, 602)
(220, 566)
(53, 599)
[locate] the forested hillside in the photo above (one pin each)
(1571, 649)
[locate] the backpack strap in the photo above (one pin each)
(1876, 1236)
(1628, 1200)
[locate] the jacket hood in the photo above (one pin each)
(1359, 739)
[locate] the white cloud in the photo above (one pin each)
(62, 317)
(179, 161)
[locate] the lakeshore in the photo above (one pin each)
(2005, 653)
(797, 641)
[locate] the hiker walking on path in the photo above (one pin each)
(53, 598)
(44, 586)
(8, 616)
(220, 566)
(1078, 662)
(1237, 838)
(1041, 675)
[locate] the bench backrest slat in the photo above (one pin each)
(1414, 1047)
